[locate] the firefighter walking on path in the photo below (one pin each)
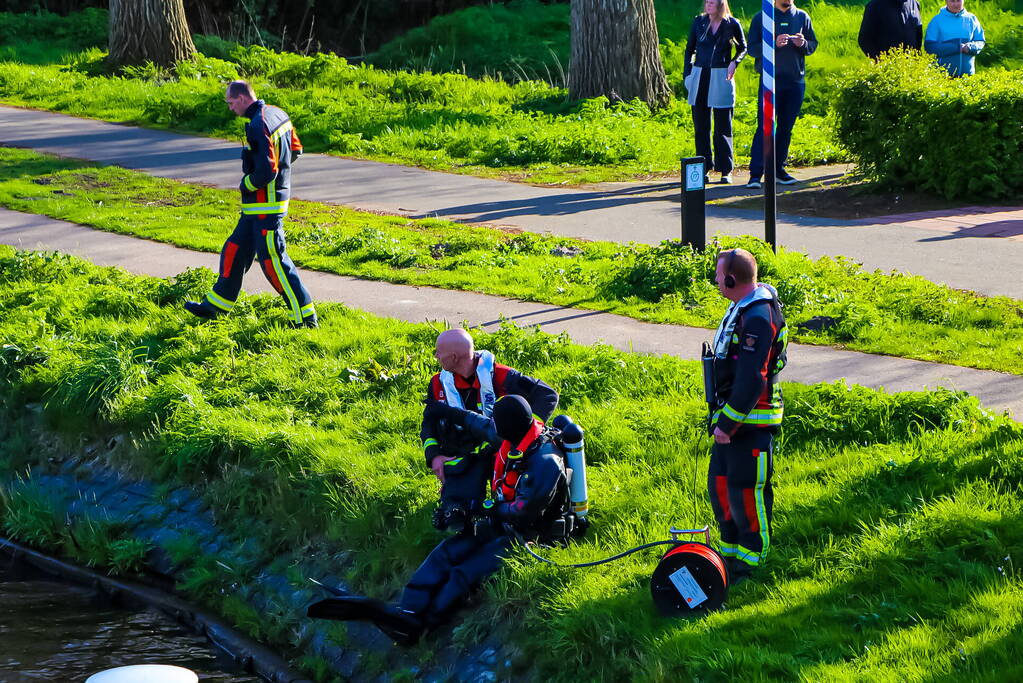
(271, 146)
(746, 411)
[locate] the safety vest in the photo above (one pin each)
(485, 376)
(506, 469)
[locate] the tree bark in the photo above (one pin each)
(615, 52)
(149, 31)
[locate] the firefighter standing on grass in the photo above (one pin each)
(746, 411)
(271, 146)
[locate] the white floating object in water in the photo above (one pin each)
(145, 673)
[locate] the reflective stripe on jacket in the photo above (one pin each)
(271, 146)
(748, 394)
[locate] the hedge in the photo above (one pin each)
(911, 126)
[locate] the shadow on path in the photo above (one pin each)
(566, 203)
(546, 321)
(1000, 229)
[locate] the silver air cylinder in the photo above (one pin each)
(575, 458)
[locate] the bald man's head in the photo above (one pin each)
(455, 351)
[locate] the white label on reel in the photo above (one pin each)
(686, 585)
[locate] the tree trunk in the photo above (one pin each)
(149, 31)
(615, 52)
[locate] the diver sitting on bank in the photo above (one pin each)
(529, 497)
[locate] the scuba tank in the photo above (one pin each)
(575, 459)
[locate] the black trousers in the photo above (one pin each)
(458, 565)
(788, 102)
(724, 149)
(739, 483)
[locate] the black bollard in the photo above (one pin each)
(694, 229)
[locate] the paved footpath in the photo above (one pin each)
(808, 364)
(976, 249)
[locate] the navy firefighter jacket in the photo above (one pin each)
(271, 146)
(748, 394)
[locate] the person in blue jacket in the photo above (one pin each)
(955, 37)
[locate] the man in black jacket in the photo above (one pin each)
(271, 145)
(890, 24)
(528, 493)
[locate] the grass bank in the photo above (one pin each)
(886, 313)
(899, 522)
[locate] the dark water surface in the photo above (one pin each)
(56, 632)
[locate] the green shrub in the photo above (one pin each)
(910, 125)
(79, 30)
(522, 40)
(673, 267)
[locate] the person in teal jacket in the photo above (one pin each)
(955, 37)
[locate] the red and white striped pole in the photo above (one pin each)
(767, 94)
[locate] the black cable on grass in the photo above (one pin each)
(595, 563)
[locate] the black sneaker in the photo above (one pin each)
(785, 179)
(754, 184)
(202, 309)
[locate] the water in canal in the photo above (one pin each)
(57, 632)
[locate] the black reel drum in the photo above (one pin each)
(691, 578)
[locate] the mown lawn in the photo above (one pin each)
(886, 313)
(899, 519)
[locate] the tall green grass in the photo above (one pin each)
(879, 312)
(899, 522)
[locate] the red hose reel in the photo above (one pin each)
(691, 579)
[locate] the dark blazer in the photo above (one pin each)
(714, 50)
(890, 23)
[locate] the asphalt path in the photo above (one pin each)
(807, 364)
(639, 212)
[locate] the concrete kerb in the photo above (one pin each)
(808, 364)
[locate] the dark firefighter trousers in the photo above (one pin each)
(739, 483)
(261, 238)
(457, 566)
